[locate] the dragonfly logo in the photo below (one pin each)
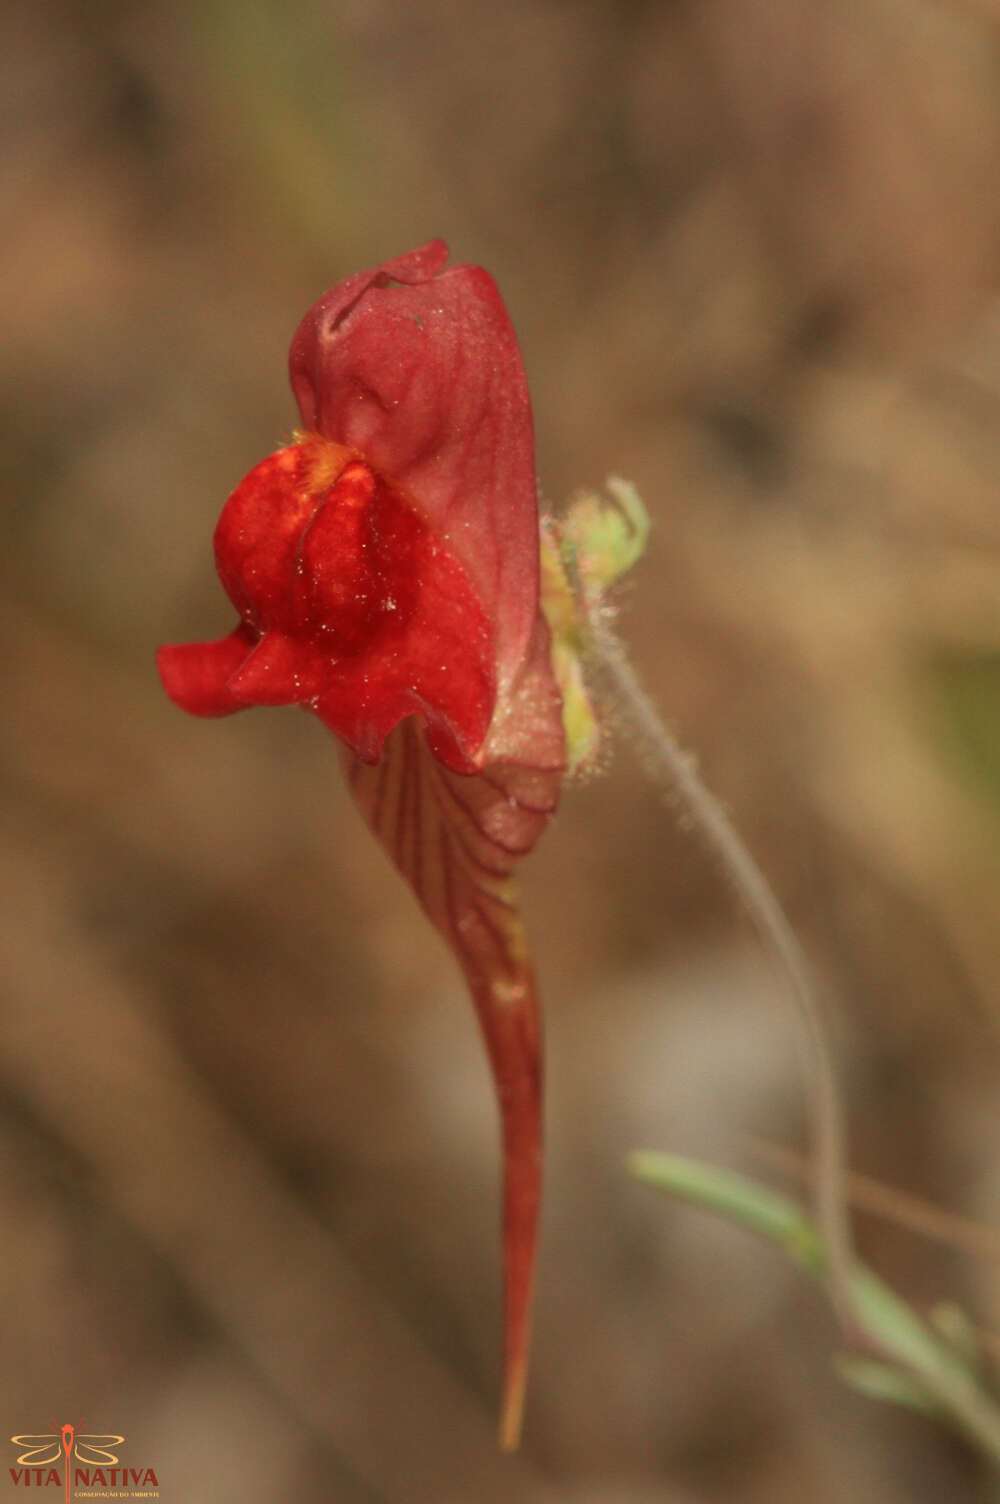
(84, 1464)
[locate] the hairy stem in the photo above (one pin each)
(678, 778)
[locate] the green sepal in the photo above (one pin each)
(583, 554)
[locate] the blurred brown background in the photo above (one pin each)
(247, 1154)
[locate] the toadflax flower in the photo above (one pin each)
(385, 570)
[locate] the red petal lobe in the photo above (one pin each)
(258, 533)
(353, 607)
(196, 674)
(279, 671)
(421, 374)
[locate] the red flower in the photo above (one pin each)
(385, 567)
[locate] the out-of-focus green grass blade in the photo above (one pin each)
(764, 1211)
(964, 694)
(291, 102)
(782, 1220)
(932, 1373)
(878, 1381)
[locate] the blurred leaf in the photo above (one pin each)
(289, 97)
(954, 1325)
(931, 1371)
(965, 694)
(877, 1381)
